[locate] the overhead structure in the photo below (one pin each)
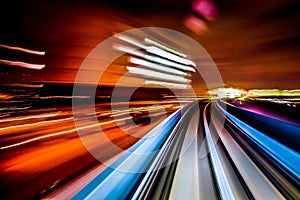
(156, 63)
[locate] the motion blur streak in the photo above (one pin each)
(50, 144)
(23, 49)
(114, 184)
(241, 162)
(33, 124)
(224, 186)
(56, 134)
(154, 74)
(98, 102)
(153, 58)
(188, 159)
(176, 85)
(156, 66)
(21, 64)
(159, 51)
(39, 138)
(154, 43)
(235, 167)
(170, 56)
(28, 117)
(131, 41)
(287, 158)
(258, 183)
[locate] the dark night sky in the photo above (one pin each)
(255, 44)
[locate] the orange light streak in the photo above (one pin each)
(28, 117)
(60, 133)
(41, 53)
(34, 124)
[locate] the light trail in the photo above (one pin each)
(28, 117)
(158, 75)
(61, 132)
(157, 44)
(256, 181)
(128, 168)
(223, 183)
(158, 67)
(22, 64)
(157, 51)
(186, 182)
(168, 84)
(33, 124)
(165, 162)
(41, 53)
(287, 158)
(153, 58)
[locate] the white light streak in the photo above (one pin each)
(157, 51)
(129, 50)
(156, 66)
(170, 56)
(25, 85)
(167, 84)
(158, 75)
(154, 43)
(131, 41)
(21, 64)
(223, 183)
(152, 58)
(169, 63)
